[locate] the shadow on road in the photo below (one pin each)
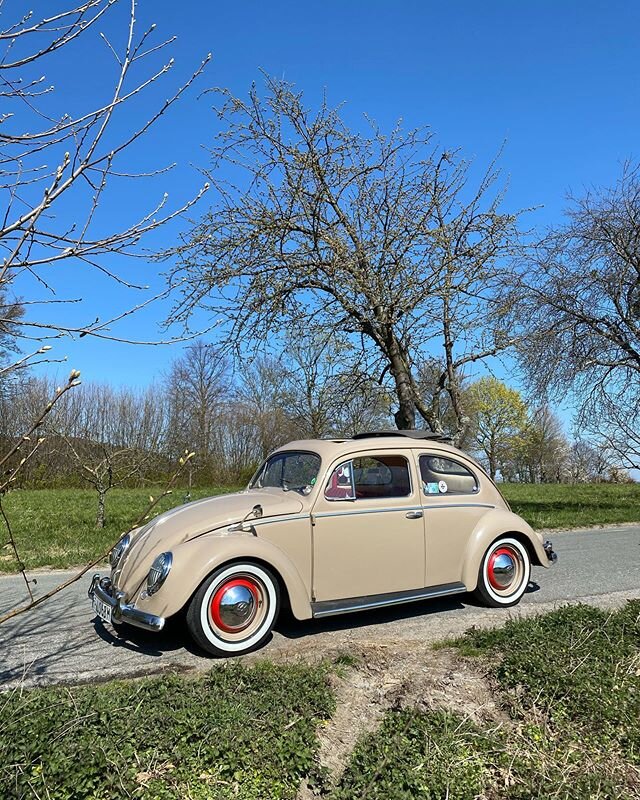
(62, 645)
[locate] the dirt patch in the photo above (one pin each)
(391, 677)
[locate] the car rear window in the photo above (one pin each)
(445, 476)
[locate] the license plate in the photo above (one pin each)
(103, 610)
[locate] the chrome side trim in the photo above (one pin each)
(406, 509)
(327, 608)
(101, 588)
(282, 518)
(352, 512)
(458, 505)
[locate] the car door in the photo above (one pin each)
(453, 504)
(368, 536)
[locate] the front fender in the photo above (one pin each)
(194, 560)
(498, 522)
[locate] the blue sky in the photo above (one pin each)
(559, 81)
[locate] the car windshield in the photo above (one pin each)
(290, 470)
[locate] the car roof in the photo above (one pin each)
(328, 449)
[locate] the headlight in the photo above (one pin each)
(158, 572)
(116, 554)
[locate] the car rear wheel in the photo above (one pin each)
(234, 610)
(504, 573)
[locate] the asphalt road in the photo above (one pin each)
(62, 641)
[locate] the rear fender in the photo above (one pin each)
(491, 526)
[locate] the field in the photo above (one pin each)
(559, 505)
(544, 707)
(56, 527)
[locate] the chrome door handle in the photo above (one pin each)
(413, 514)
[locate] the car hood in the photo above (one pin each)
(191, 520)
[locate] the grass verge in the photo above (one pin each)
(56, 527)
(562, 723)
(246, 733)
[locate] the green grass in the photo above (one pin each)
(246, 733)
(578, 668)
(56, 527)
(568, 684)
(572, 506)
(417, 755)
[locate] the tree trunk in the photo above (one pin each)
(100, 516)
(493, 468)
(453, 378)
(405, 416)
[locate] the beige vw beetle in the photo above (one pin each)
(325, 527)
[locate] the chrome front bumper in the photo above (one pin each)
(121, 612)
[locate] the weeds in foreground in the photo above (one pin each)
(237, 732)
(569, 683)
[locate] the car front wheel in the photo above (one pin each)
(234, 610)
(504, 573)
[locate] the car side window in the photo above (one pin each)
(445, 476)
(368, 477)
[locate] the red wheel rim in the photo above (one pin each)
(238, 589)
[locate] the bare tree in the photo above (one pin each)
(23, 449)
(106, 468)
(197, 385)
(319, 374)
(263, 393)
(114, 436)
(588, 463)
(364, 406)
(53, 158)
(578, 307)
(380, 238)
(10, 313)
(89, 421)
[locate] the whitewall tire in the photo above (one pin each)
(504, 573)
(235, 609)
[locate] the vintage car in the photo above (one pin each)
(325, 527)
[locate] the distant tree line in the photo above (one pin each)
(104, 437)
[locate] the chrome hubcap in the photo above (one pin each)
(503, 570)
(237, 607)
(235, 604)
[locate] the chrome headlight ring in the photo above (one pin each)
(158, 573)
(118, 551)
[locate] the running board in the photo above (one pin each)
(327, 608)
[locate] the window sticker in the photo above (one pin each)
(432, 488)
(442, 487)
